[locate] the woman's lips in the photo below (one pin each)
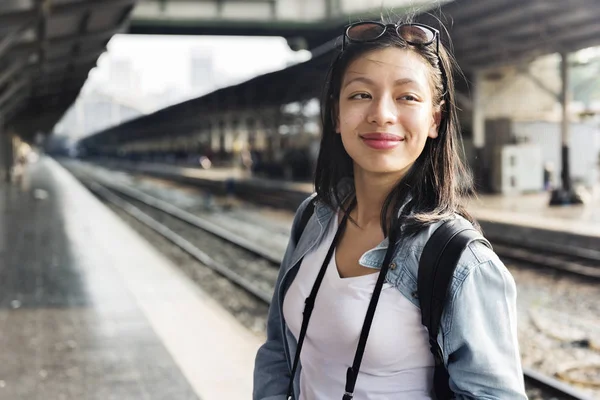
(381, 141)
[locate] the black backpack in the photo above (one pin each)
(436, 267)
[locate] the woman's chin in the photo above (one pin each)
(383, 169)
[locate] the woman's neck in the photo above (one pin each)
(371, 192)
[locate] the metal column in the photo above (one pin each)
(6, 153)
(564, 131)
(2, 149)
(480, 167)
(565, 195)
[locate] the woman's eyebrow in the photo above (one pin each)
(397, 82)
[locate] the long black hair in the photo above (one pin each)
(434, 187)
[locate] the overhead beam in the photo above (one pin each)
(19, 17)
(75, 52)
(10, 72)
(527, 73)
(13, 89)
(65, 58)
(43, 12)
(559, 42)
(520, 31)
(25, 49)
(54, 99)
(508, 16)
(57, 84)
(475, 11)
(61, 63)
(9, 40)
(54, 89)
(50, 75)
(12, 106)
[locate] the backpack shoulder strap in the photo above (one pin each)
(306, 214)
(436, 268)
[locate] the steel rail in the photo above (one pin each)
(553, 387)
(179, 241)
(193, 220)
(531, 256)
(507, 250)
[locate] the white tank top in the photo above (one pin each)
(397, 363)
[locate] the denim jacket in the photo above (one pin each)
(478, 332)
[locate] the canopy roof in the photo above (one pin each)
(47, 48)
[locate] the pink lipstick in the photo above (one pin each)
(381, 141)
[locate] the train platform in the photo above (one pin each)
(90, 310)
(520, 217)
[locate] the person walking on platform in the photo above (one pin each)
(387, 289)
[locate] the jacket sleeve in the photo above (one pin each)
(271, 371)
(480, 339)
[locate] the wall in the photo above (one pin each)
(584, 147)
(510, 91)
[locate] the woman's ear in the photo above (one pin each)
(435, 121)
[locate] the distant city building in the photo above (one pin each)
(94, 112)
(202, 74)
(122, 77)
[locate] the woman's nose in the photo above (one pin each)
(383, 111)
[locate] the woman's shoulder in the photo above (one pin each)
(307, 202)
(477, 253)
(304, 212)
(480, 265)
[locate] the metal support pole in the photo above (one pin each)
(222, 133)
(565, 195)
(480, 170)
(564, 131)
(214, 137)
(6, 152)
(4, 170)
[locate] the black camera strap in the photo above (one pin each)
(352, 372)
(309, 303)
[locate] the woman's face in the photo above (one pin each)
(385, 110)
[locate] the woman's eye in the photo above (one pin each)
(359, 96)
(408, 97)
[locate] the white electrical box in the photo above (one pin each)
(519, 169)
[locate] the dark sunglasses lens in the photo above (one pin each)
(416, 34)
(364, 32)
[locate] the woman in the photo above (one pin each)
(388, 172)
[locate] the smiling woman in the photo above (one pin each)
(393, 110)
(389, 164)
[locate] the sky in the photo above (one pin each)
(162, 70)
(163, 61)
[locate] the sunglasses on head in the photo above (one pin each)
(413, 34)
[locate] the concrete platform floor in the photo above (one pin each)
(89, 310)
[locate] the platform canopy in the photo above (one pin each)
(47, 48)
(485, 34)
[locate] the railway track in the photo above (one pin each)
(245, 264)
(146, 209)
(562, 258)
